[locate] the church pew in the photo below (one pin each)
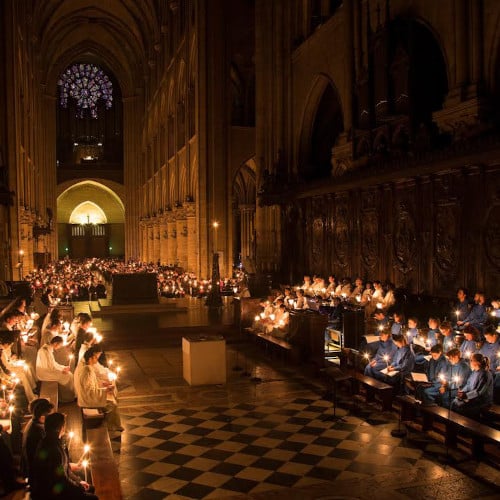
(372, 387)
(454, 423)
(50, 391)
(104, 470)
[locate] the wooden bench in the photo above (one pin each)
(105, 476)
(270, 340)
(50, 391)
(455, 424)
(373, 387)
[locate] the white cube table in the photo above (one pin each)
(204, 359)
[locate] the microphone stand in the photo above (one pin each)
(400, 432)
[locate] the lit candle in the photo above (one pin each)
(71, 435)
(86, 449)
(112, 376)
(257, 318)
(85, 464)
(3, 389)
(366, 356)
(70, 357)
(66, 326)
(457, 312)
(118, 370)
(381, 328)
(386, 359)
(468, 354)
(379, 305)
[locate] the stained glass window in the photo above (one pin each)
(86, 83)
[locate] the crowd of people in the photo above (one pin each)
(455, 363)
(67, 280)
(33, 350)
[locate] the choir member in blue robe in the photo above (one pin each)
(401, 364)
(469, 345)
(477, 316)
(456, 376)
(383, 356)
(436, 371)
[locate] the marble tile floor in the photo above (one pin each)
(268, 440)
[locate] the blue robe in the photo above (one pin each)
(435, 368)
(387, 348)
(478, 393)
(461, 371)
(468, 346)
(477, 317)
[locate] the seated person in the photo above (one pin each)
(345, 288)
(431, 339)
(412, 330)
(357, 291)
(398, 324)
(48, 369)
(447, 339)
(51, 470)
(93, 392)
(469, 345)
(301, 302)
(34, 432)
(389, 298)
(386, 349)
(9, 477)
(456, 376)
(436, 370)
(495, 308)
(477, 392)
(85, 324)
(11, 370)
(477, 316)
(366, 296)
(402, 362)
(462, 306)
(491, 350)
(332, 285)
(52, 330)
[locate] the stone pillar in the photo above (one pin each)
(150, 251)
(181, 226)
(192, 237)
(247, 221)
(172, 239)
(164, 241)
(156, 241)
(132, 110)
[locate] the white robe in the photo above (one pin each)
(89, 388)
(48, 369)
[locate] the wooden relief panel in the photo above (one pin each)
(341, 233)
(404, 238)
(369, 231)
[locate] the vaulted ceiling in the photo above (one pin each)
(118, 34)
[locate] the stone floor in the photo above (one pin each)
(261, 439)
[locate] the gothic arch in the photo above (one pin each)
(322, 122)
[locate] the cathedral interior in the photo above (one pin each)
(289, 137)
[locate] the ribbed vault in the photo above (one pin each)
(118, 34)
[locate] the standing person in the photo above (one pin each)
(48, 369)
(52, 477)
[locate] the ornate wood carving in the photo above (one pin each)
(404, 238)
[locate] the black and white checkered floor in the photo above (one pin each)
(222, 452)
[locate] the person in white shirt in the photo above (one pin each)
(48, 369)
(11, 370)
(94, 393)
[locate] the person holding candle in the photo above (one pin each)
(10, 369)
(412, 329)
(469, 345)
(461, 307)
(437, 368)
(477, 392)
(366, 296)
(52, 476)
(95, 393)
(385, 352)
(402, 362)
(458, 372)
(34, 432)
(47, 368)
(447, 339)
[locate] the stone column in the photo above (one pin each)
(247, 220)
(151, 236)
(172, 239)
(164, 241)
(156, 241)
(181, 226)
(192, 237)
